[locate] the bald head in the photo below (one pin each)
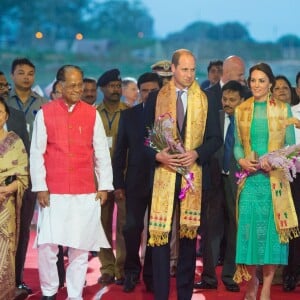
(233, 69)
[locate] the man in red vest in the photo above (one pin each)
(68, 150)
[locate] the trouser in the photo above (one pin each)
(293, 267)
(136, 205)
(111, 264)
(75, 274)
(213, 226)
(27, 210)
(185, 265)
(185, 270)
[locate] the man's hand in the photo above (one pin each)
(188, 158)
(43, 198)
(167, 159)
(119, 194)
(102, 195)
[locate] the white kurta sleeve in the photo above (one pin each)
(37, 150)
(103, 168)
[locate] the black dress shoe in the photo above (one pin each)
(130, 283)
(199, 252)
(20, 294)
(289, 283)
(220, 261)
(94, 253)
(203, 285)
(232, 287)
(25, 287)
(119, 281)
(49, 297)
(149, 287)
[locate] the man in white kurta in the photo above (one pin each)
(67, 152)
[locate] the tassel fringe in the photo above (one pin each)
(288, 234)
(241, 274)
(158, 239)
(188, 232)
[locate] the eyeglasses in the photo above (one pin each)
(5, 85)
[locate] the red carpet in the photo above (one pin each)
(115, 292)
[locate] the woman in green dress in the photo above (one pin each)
(263, 196)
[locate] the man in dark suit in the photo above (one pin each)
(16, 122)
(200, 133)
(220, 216)
(135, 186)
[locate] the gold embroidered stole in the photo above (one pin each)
(284, 211)
(164, 178)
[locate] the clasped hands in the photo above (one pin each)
(252, 166)
(177, 160)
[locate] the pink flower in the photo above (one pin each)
(161, 136)
(287, 159)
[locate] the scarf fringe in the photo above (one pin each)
(158, 238)
(241, 274)
(188, 232)
(288, 234)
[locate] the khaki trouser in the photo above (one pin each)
(113, 264)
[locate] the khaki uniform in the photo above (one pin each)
(111, 264)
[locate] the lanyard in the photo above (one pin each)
(110, 122)
(21, 106)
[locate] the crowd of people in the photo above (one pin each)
(76, 162)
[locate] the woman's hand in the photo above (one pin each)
(248, 165)
(265, 166)
(4, 192)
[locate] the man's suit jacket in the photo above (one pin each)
(217, 91)
(17, 123)
(129, 153)
(212, 136)
(220, 154)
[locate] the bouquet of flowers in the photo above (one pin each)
(287, 159)
(161, 136)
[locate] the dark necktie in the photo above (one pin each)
(228, 145)
(179, 110)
